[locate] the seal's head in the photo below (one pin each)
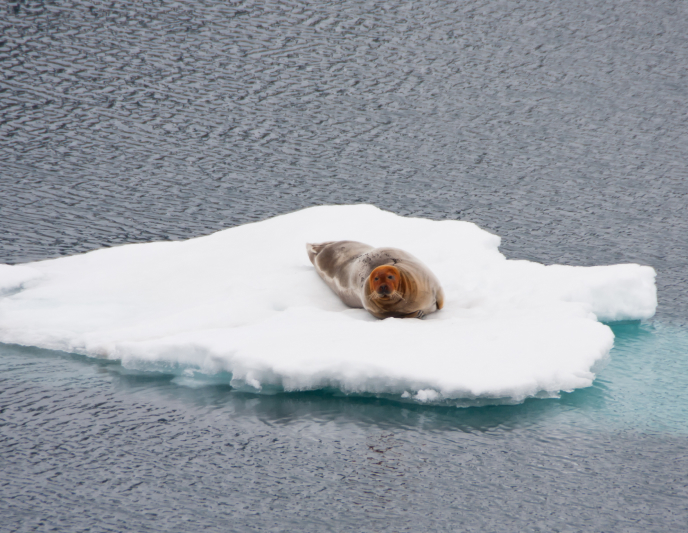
(384, 282)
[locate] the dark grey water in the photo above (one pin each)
(561, 126)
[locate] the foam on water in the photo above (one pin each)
(247, 301)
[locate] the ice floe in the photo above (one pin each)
(247, 301)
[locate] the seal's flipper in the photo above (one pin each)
(315, 249)
(415, 314)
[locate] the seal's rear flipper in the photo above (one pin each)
(315, 249)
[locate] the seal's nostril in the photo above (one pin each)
(383, 289)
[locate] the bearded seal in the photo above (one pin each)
(386, 282)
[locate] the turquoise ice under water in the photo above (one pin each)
(645, 383)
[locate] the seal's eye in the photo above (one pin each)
(377, 279)
(390, 277)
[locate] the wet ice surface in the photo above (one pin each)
(559, 127)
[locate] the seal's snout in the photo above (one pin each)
(383, 289)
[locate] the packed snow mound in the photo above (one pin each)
(247, 301)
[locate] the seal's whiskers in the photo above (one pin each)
(396, 295)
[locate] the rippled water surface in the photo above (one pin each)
(561, 126)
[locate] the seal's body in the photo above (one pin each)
(387, 282)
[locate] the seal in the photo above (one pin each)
(386, 282)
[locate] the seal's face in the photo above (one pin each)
(384, 283)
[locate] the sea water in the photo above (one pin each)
(88, 443)
(558, 127)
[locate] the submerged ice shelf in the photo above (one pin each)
(247, 301)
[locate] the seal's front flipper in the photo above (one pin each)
(415, 314)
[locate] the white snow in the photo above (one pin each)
(247, 301)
